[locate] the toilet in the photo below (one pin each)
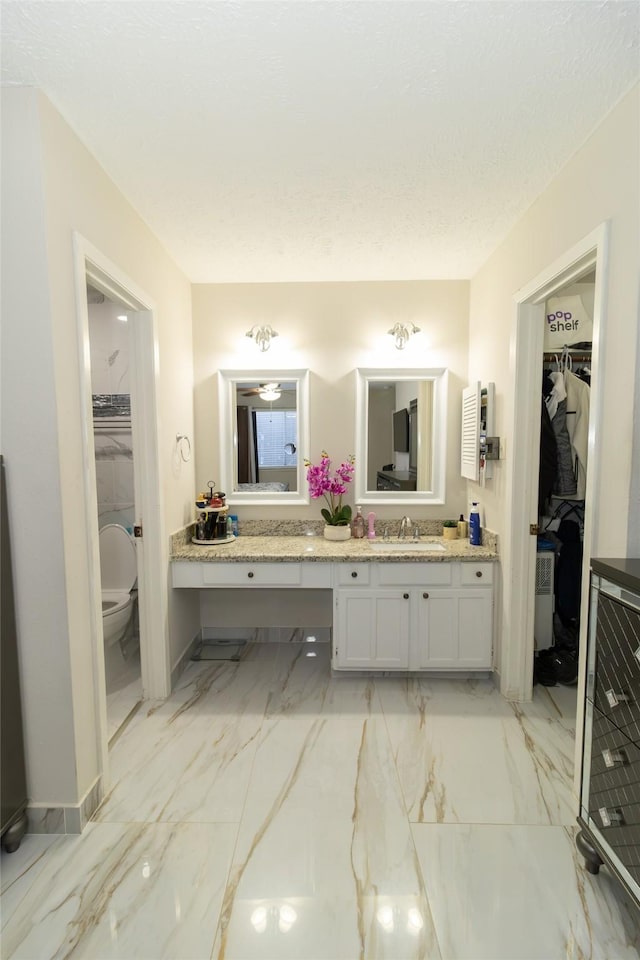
(118, 574)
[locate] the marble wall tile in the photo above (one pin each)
(518, 892)
(125, 890)
(91, 802)
(105, 485)
(45, 819)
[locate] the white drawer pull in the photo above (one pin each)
(610, 818)
(610, 758)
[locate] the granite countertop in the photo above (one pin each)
(316, 548)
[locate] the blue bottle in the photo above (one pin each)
(475, 533)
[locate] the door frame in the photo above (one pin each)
(527, 336)
(90, 264)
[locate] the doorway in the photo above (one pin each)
(567, 383)
(93, 269)
(520, 546)
(109, 336)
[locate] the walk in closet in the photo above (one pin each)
(562, 483)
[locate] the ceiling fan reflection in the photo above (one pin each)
(266, 391)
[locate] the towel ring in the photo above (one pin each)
(184, 446)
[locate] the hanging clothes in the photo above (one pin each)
(568, 575)
(548, 460)
(565, 481)
(557, 392)
(578, 400)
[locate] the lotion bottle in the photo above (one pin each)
(357, 525)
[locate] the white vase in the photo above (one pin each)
(337, 533)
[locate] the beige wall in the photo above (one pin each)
(599, 184)
(57, 187)
(331, 329)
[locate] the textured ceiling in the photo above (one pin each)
(274, 141)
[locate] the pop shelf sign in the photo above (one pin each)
(567, 320)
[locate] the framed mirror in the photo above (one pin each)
(401, 435)
(264, 435)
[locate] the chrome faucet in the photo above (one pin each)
(405, 524)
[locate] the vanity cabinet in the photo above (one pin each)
(414, 616)
(403, 616)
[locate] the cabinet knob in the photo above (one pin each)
(611, 818)
(250, 574)
(478, 573)
(406, 596)
(615, 698)
(426, 596)
(354, 574)
(612, 757)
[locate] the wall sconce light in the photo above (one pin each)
(262, 336)
(401, 333)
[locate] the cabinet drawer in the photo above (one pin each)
(422, 574)
(476, 574)
(354, 574)
(252, 574)
(614, 792)
(617, 667)
(615, 763)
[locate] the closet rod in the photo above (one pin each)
(582, 357)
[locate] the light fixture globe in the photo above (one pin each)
(401, 333)
(262, 336)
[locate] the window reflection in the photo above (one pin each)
(267, 431)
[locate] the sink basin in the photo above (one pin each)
(406, 546)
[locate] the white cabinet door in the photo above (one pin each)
(371, 629)
(454, 630)
(475, 629)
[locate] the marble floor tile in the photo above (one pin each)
(325, 791)
(303, 686)
(121, 701)
(264, 812)
(19, 869)
(521, 893)
(144, 891)
(565, 699)
(189, 758)
(451, 738)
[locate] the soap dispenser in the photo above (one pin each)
(357, 525)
